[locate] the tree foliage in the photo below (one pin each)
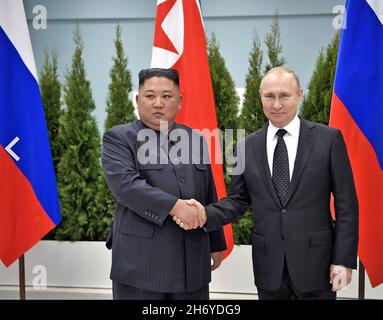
(79, 168)
(274, 45)
(50, 89)
(119, 110)
(119, 107)
(252, 117)
(225, 96)
(316, 104)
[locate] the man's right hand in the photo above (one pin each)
(202, 217)
(186, 215)
(192, 221)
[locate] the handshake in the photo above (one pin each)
(189, 214)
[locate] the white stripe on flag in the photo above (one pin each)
(162, 58)
(377, 6)
(14, 24)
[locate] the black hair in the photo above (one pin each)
(146, 74)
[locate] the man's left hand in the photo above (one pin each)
(340, 277)
(217, 259)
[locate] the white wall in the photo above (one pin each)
(87, 265)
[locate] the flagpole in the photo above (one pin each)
(22, 277)
(361, 281)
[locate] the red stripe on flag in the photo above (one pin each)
(369, 186)
(23, 221)
(198, 108)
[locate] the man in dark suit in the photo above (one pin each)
(287, 173)
(149, 171)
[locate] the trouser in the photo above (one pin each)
(287, 291)
(124, 292)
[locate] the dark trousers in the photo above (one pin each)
(287, 291)
(124, 292)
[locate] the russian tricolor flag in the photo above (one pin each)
(357, 109)
(29, 206)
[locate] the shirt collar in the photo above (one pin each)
(292, 128)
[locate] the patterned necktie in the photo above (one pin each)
(281, 176)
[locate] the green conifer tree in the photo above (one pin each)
(119, 110)
(316, 104)
(273, 44)
(119, 107)
(79, 168)
(225, 96)
(50, 89)
(252, 117)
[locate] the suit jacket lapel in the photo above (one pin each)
(261, 158)
(305, 143)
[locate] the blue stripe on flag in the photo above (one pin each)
(21, 115)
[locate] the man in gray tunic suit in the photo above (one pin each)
(152, 258)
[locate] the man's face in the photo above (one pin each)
(280, 97)
(158, 100)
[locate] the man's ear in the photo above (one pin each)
(180, 103)
(300, 94)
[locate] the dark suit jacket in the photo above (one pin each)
(149, 251)
(303, 230)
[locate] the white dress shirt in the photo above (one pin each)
(291, 139)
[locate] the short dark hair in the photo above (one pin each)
(170, 74)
